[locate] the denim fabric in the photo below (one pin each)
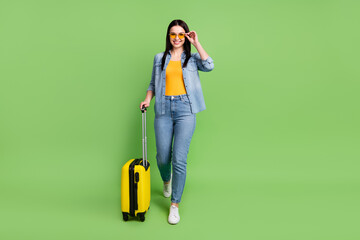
(177, 123)
(191, 80)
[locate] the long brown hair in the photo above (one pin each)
(187, 44)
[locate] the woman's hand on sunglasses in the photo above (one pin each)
(192, 37)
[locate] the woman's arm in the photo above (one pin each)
(149, 96)
(146, 102)
(204, 62)
(151, 89)
(201, 51)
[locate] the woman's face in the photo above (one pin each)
(177, 42)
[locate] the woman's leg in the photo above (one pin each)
(183, 131)
(164, 134)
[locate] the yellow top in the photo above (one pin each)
(174, 84)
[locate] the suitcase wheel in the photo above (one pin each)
(141, 216)
(125, 216)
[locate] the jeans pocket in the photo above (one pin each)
(185, 100)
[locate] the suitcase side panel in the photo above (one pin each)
(143, 188)
(125, 190)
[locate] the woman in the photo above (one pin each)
(178, 95)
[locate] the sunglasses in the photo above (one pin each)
(173, 35)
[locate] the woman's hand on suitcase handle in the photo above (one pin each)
(145, 104)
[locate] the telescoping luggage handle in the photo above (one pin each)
(144, 139)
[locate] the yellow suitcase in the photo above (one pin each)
(135, 182)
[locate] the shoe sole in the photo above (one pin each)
(173, 223)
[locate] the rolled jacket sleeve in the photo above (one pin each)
(204, 65)
(152, 82)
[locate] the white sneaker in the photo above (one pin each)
(167, 188)
(174, 216)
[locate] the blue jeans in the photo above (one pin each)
(177, 123)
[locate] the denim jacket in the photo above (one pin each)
(191, 80)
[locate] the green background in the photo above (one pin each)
(274, 156)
